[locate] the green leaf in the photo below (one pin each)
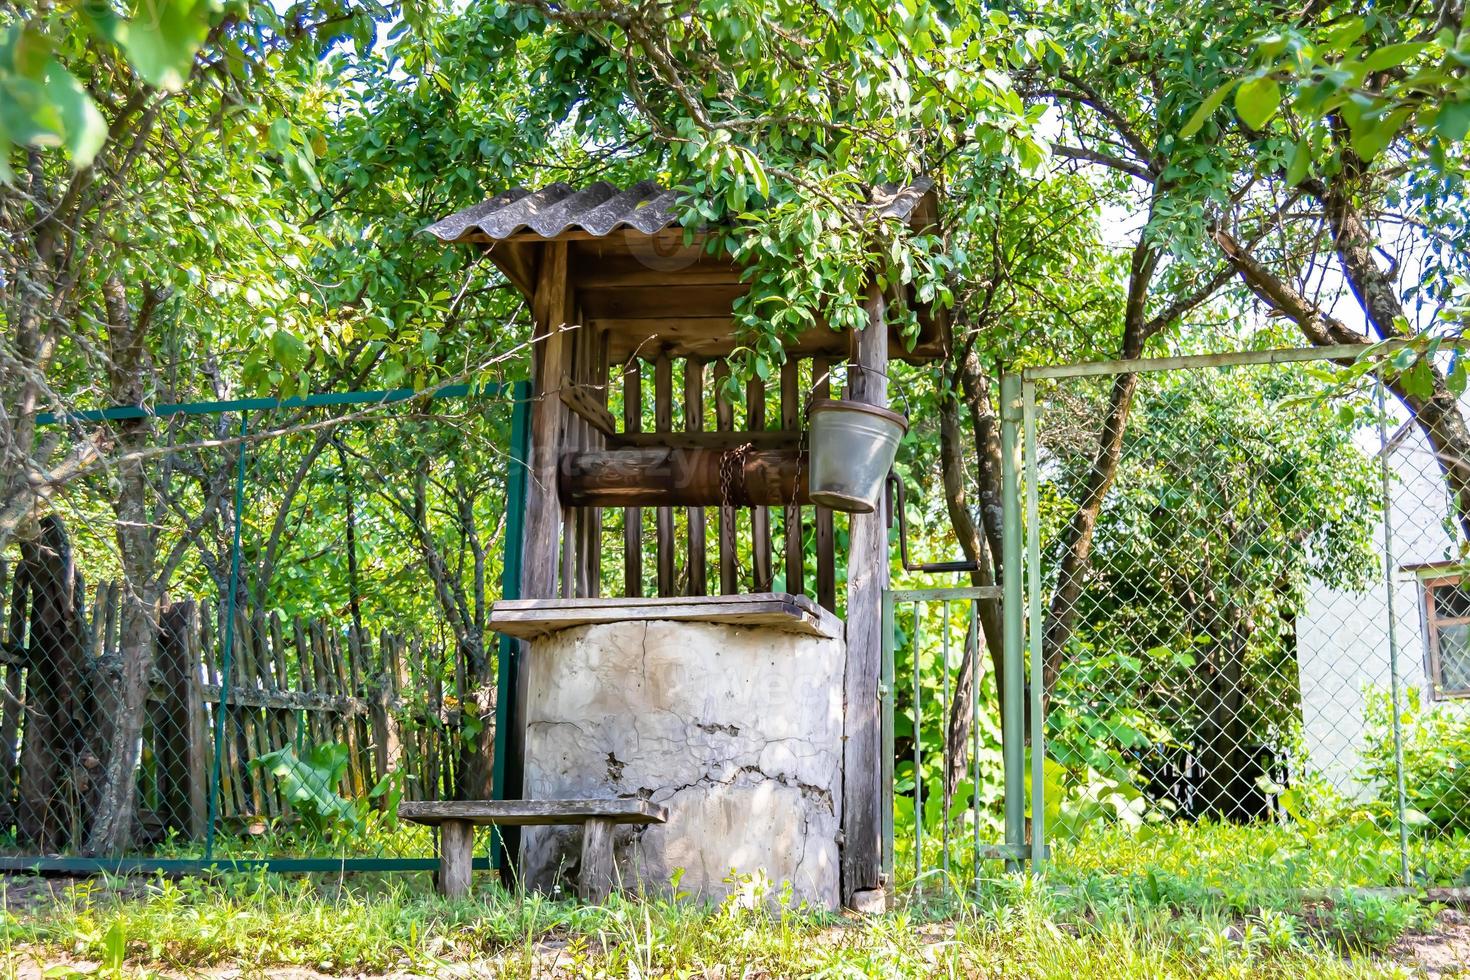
(1419, 380)
(288, 350)
(161, 38)
(1257, 101)
(114, 947)
(31, 52)
(1390, 56)
(1455, 378)
(101, 19)
(1300, 164)
(1453, 121)
(1207, 108)
(1369, 138)
(83, 128)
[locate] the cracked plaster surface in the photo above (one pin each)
(736, 730)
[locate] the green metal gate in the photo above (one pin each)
(1022, 804)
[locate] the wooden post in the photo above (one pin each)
(694, 422)
(663, 421)
(725, 422)
(596, 880)
(867, 577)
(548, 422)
(593, 557)
(456, 857)
(821, 516)
(56, 669)
(633, 516)
(791, 519)
(760, 517)
(544, 516)
(182, 765)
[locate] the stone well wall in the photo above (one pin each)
(736, 729)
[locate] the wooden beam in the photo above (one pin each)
(725, 422)
(663, 300)
(531, 813)
(632, 516)
(663, 421)
(774, 439)
(760, 517)
(867, 577)
(715, 337)
(533, 618)
(683, 478)
(791, 519)
(693, 424)
(823, 530)
(582, 399)
(517, 263)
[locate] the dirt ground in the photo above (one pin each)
(1445, 952)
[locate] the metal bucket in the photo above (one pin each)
(851, 446)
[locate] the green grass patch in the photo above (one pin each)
(1012, 927)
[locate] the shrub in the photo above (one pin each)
(1436, 747)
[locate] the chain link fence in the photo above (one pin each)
(1251, 614)
(257, 632)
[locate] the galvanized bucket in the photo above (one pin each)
(851, 449)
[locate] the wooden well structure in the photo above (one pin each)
(631, 322)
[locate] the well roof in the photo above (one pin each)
(601, 208)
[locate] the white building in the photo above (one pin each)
(1344, 639)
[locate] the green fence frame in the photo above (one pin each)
(1018, 405)
(516, 478)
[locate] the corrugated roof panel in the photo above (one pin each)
(601, 208)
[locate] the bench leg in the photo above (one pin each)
(597, 861)
(456, 854)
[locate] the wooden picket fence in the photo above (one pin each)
(299, 683)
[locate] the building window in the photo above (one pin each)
(1447, 614)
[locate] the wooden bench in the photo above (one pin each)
(457, 820)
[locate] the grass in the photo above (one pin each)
(1018, 930)
(1187, 901)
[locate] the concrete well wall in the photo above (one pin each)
(737, 730)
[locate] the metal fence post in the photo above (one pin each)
(222, 707)
(1035, 632)
(1012, 713)
(510, 588)
(1395, 708)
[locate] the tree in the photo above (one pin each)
(173, 162)
(1359, 162)
(1237, 493)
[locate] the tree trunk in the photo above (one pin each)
(1223, 760)
(1077, 538)
(1076, 560)
(1439, 416)
(51, 773)
(121, 698)
(975, 548)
